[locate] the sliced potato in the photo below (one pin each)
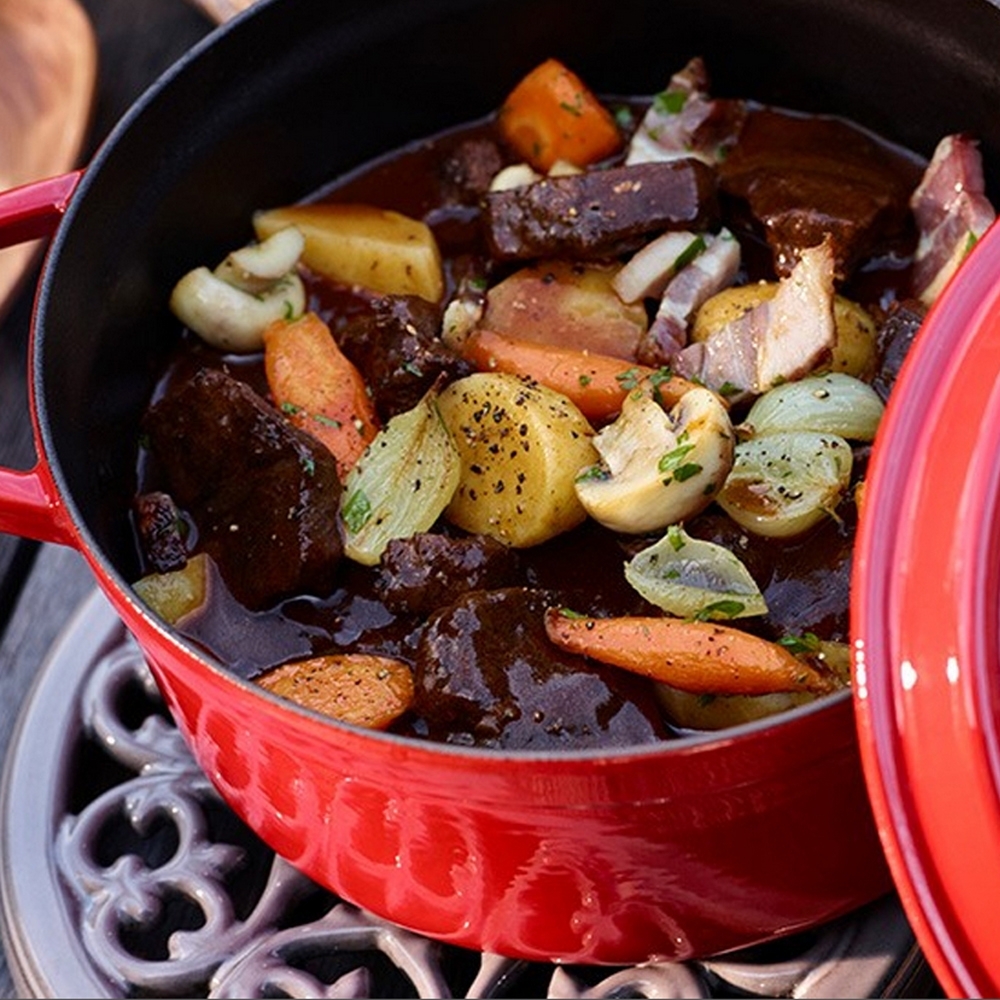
(359, 244)
(177, 593)
(566, 304)
(521, 447)
(366, 690)
(854, 352)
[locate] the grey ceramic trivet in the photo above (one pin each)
(124, 875)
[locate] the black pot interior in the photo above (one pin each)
(284, 100)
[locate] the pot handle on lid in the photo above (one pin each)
(29, 502)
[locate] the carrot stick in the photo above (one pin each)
(596, 383)
(552, 115)
(694, 656)
(318, 388)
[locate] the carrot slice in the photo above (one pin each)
(318, 388)
(367, 690)
(552, 115)
(596, 383)
(694, 656)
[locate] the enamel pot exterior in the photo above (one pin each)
(689, 848)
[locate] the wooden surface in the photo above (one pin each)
(42, 585)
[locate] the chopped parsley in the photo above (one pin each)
(686, 471)
(357, 511)
(661, 376)
(726, 608)
(688, 254)
(629, 379)
(674, 459)
(670, 102)
(593, 473)
(799, 645)
(675, 536)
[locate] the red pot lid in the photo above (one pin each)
(925, 610)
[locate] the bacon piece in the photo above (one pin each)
(709, 272)
(778, 340)
(684, 121)
(952, 212)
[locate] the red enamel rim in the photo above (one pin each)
(925, 607)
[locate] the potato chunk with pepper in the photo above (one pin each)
(521, 446)
(363, 245)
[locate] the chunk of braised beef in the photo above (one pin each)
(487, 675)
(599, 213)
(895, 335)
(803, 178)
(262, 494)
(425, 572)
(805, 580)
(398, 349)
(470, 167)
(160, 526)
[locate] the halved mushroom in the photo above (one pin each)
(658, 468)
(231, 306)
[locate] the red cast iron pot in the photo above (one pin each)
(693, 847)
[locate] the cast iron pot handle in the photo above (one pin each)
(29, 501)
(33, 210)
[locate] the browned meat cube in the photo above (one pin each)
(803, 179)
(487, 674)
(397, 348)
(470, 167)
(895, 335)
(601, 212)
(428, 571)
(262, 494)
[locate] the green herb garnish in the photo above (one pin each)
(357, 511)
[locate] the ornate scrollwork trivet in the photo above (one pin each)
(126, 875)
